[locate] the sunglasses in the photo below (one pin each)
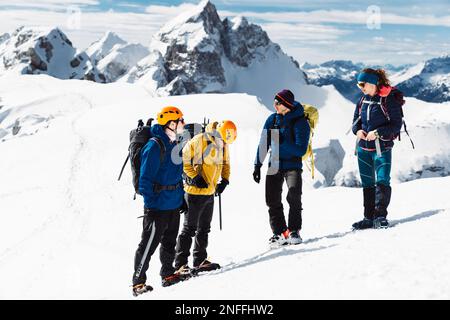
(361, 85)
(277, 103)
(179, 120)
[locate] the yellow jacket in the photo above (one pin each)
(203, 155)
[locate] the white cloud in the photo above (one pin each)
(132, 27)
(169, 11)
(302, 32)
(48, 4)
(341, 16)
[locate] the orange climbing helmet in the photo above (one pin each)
(227, 130)
(167, 114)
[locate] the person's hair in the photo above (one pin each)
(383, 80)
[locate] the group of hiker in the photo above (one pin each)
(183, 176)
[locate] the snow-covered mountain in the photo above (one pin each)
(406, 73)
(430, 80)
(59, 173)
(339, 73)
(45, 51)
(197, 52)
(114, 57)
(4, 37)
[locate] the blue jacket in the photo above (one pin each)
(293, 131)
(165, 173)
(373, 118)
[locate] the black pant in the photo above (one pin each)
(274, 190)
(197, 222)
(160, 227)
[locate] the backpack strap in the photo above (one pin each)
(360, 103)
(162, 148)
(384, 108)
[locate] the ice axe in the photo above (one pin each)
(220, 211)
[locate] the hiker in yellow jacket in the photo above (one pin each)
(206, 159)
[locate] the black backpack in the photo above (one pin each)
(192, 129)
(138, 139)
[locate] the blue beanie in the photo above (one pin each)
(368, 77)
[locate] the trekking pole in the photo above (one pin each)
(123, 167)
(220, 211)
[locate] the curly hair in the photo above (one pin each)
(383, 80)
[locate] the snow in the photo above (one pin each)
(101, 48)
(45, 51)
(69, 229)
(258, 79)
(407, 74)
(114, 57)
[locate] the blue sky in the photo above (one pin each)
(314, 31)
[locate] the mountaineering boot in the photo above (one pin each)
(183, 273)
(380, 223)
(363, 224)
(369, 202)
(278, 240)
(294, 237)
(140, 289)
(369, 210)
(205, 266)
(383, 198)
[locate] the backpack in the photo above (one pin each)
(139, 137)
(312, 116)
(192, 129)
(399, 97)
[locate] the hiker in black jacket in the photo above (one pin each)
(286, 134)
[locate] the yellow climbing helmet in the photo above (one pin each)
(167, 114)
(227, 130)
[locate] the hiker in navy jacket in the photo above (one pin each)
(161, 185)
(376, 123)
(286, 134)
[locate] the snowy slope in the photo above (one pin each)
(431, 82)
(45, 51)
(114, 57)
(69, 229)
(102, 47)
(407, 73)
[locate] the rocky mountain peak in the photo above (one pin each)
(45, 51)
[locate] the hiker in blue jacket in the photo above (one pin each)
(161, 185)
(376, 123)
(286, 135)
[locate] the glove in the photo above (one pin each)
(257, 174)
(199, 182)
(184, 207)
(221, 186)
